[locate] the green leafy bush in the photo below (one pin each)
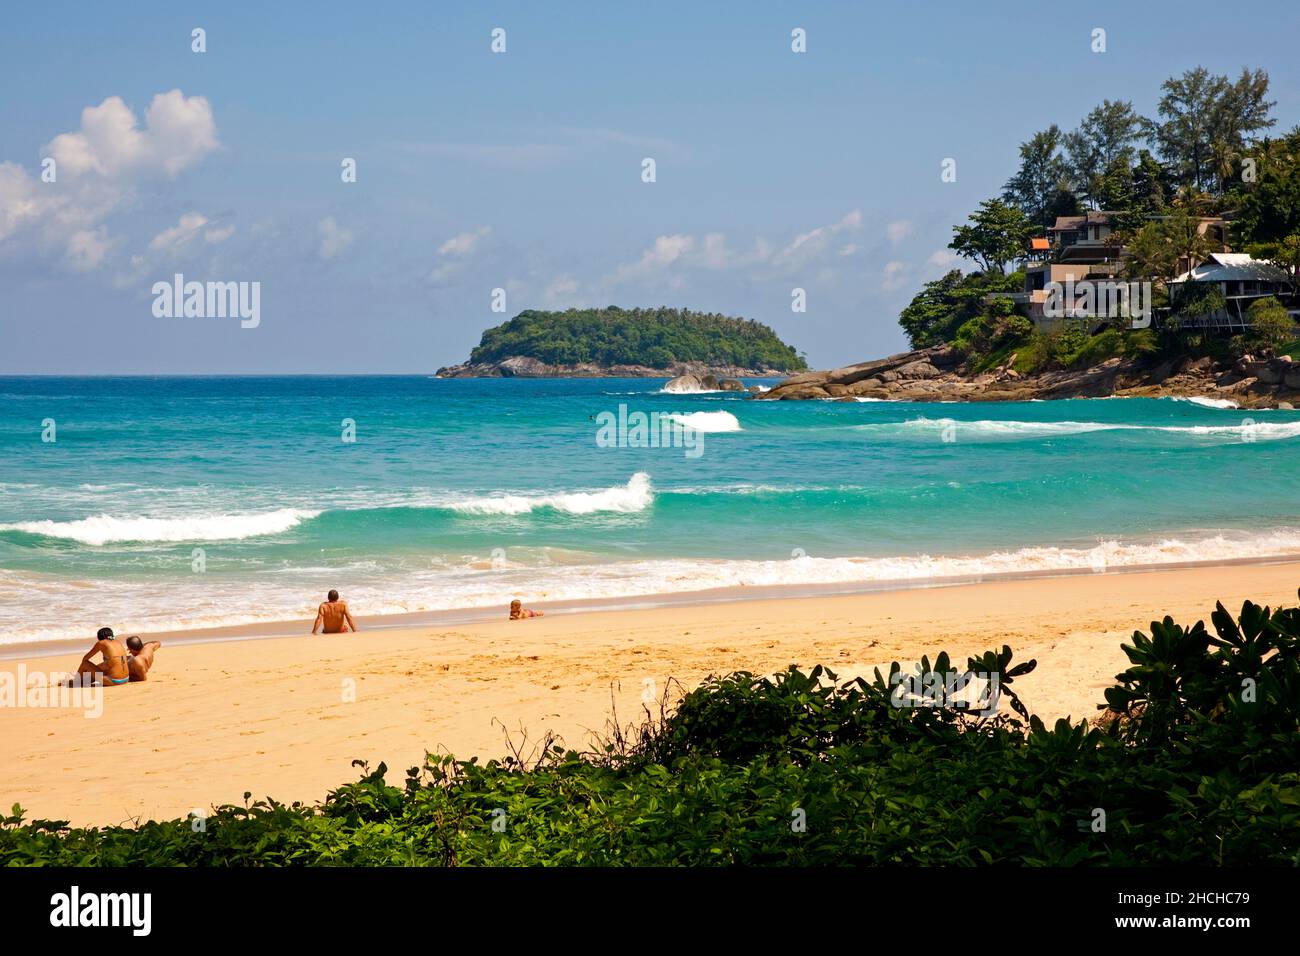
(941, 308)
(1271, 326)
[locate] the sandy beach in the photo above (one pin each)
(285, 716)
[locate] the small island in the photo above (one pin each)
(627, 343)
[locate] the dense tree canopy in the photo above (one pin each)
(1207, 158)
(1204, 122)
(946, 304)
(1102, 145)
(996, 235)
(1268, 209)
(1041, 178)
(654, 337)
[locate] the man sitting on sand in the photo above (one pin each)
(141, 658)
(113, 671)
(518, 612)
(334, 616)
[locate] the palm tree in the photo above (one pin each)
(1183, 232)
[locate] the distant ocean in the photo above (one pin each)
(189, 502)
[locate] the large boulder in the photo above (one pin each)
(692, 382)
(731, 385)
(797, 392)
(522, 366)
(917, 369)
(1267, 372)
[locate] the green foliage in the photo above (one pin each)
(941, 308)
(989, 339)
(997, 234)
(1204, 122)
(1101, 152)
(1074, 347)
(1271, 326)
(653, 337)
(1193, 763)
(1193, 299)
(1204, 134)
(1156, 248)
(1037, 187)
(1268, 209)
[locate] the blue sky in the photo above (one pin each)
(522, 170)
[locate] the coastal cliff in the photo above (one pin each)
(941, 374)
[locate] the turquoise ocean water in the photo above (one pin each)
(177, 502)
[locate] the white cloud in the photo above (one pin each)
(663, 253)
(177, 133)
(561, 291)
(180, 235)
(334, 239)
(19, 201)
(220, 234)
(456, 251)
(98, 168)
(810, 245)
(464, 243)
(894, 276)
(899, 230)
(666, 259)
(943, 259)
(86, 249)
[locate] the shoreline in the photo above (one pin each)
(283, 718)
(301, 627)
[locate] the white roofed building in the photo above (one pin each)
(1242, 280)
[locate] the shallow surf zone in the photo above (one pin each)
(51, 609)
(953, 430)
(107, 529)
(636, 495)
(707, 422)
(1205, 402)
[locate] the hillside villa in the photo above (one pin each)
(1241, 280)
(1083, 249)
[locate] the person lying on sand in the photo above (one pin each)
(518, 612)
(141, 658)
(334, 616)
(113, 671)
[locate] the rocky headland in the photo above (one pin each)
(941, 374)
(520, 366)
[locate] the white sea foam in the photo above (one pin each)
(1247, 430)
(687, 391)
(636, 495)
(1208, 402)
(45, 607)
(105, 529)
(708, 421)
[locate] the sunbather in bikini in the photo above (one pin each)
(518, 612)
(112, 671)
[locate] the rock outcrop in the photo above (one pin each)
(519, 366)
(692, 382)
(941, 374)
